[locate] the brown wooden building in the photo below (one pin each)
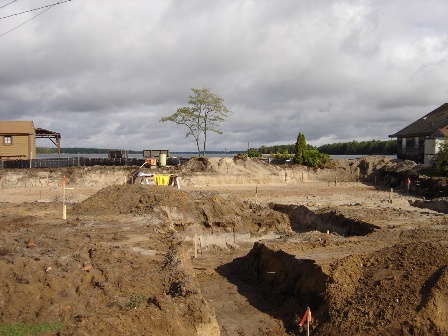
(18, 140)
(420, 140)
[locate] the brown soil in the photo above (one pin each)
(271, 241)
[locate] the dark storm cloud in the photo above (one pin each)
(104, 73)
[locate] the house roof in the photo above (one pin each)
(43, 133)
(16, 127)
(435, 123)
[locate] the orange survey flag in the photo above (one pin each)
(64, 182)
(306, 316)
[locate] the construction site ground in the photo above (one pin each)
(270, 242)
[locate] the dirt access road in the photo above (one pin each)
(364, 260)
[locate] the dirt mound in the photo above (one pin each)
(235, 170)
(185, 211)
(195, 165)
(390, 292)
(95, 277)
(99, 288)
(132, 199)
(227, 165)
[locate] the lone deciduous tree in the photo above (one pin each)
(205, 113)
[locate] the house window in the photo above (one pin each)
(416, 141)
(403, 145)
(7, 140)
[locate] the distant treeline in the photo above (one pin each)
(373, 147)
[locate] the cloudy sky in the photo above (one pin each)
(103, 73)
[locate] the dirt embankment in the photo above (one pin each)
(380, 171)
(202, 171)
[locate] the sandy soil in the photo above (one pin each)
(270, 242)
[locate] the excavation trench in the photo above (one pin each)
(303, 219)
(284, 285)
(279, 284)
(439, 205)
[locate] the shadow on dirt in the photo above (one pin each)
(303, 220)
(278, 284)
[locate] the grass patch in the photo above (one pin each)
(27, 329)
(135, 301)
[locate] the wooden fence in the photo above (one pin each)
(81, 162)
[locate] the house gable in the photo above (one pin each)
(18, 140)
(412, 140)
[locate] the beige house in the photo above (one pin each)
(18, 140)
(421, 140)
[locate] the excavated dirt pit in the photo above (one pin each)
(122, 262)
(401, 289)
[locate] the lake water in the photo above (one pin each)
(182, 155)
(130, 156)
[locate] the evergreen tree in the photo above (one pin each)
(300, 148)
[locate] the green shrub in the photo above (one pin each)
(284, 155)
(315, 159)
(254, 153)
(441, 162)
